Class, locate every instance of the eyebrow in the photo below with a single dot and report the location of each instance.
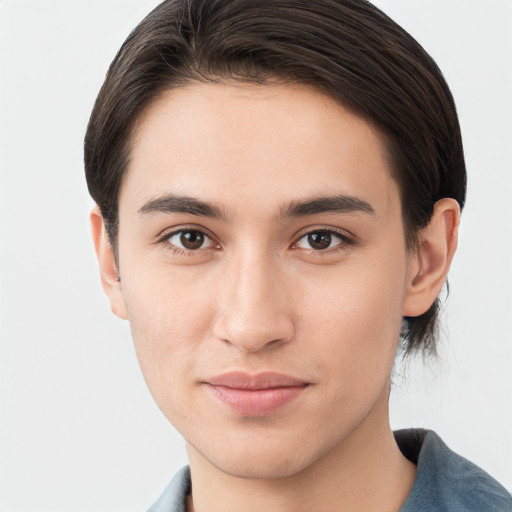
(326, 204)
(171, 203)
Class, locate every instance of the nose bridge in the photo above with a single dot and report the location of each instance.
(255, 312)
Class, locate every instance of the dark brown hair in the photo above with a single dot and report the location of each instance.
(347, 49)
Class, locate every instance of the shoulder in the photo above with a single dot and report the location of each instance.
(174, 497)
(447, 481)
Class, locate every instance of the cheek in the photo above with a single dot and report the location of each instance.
(353, 320)
(169, 317)
(165, 304)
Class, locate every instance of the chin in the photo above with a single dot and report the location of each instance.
(259, 460)
(266, 468)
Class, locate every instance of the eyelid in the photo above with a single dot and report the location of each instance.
(347, 240)
(167, 233)
(342, 233)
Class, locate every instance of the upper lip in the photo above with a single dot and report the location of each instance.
(248, 381)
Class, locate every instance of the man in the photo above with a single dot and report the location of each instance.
(279, 187)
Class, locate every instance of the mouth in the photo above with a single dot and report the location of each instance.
(255, 394)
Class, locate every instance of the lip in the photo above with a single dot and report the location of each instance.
(255, 394)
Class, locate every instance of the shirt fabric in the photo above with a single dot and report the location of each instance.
(444, 481)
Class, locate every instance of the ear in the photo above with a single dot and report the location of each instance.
(108, 268)
(430, 262)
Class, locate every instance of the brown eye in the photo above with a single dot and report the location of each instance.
(321, 240)
(190, 240)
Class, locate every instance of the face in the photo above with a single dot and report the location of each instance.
(263, 271)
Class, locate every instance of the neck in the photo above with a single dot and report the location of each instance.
(366, 471)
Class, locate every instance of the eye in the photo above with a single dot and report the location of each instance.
(321, 240)
(190, 240)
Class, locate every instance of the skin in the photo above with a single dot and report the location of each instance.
(256, 295)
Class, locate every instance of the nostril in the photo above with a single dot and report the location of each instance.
(268, 336)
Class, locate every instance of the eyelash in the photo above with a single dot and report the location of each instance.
(165, 237)
(346, 241)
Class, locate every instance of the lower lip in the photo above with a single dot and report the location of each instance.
(258, 402)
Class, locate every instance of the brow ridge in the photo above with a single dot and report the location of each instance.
(171, 203)
(326, 204)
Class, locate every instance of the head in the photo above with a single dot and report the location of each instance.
(348, 50)
(252, 104)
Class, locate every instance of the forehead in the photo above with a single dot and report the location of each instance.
(246, 145)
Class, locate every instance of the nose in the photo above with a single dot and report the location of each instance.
(254, 313)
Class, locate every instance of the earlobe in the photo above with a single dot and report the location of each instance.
(107, 263)
(431, 261)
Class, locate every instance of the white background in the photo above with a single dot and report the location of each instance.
(79, 430)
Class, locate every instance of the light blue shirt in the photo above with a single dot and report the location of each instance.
(445, 481)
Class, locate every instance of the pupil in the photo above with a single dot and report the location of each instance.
(321, 240)
(192, 239)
